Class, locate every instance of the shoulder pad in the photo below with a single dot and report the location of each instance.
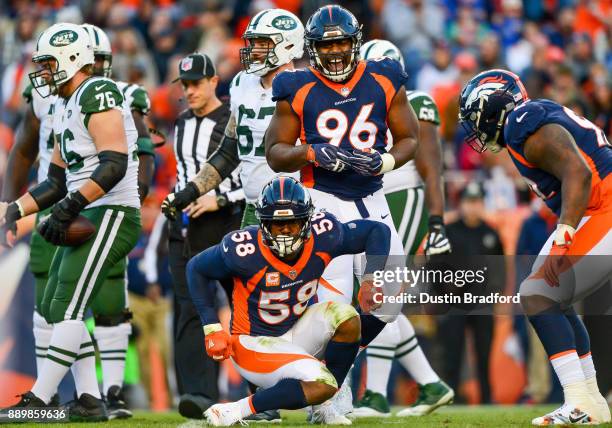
(100, 95)
(389, 68)
(326, 228)
(236, 80)
(140, 100)
(523, 121)
(27, 93)
(286, 83)
(238, 246)
(424, 106)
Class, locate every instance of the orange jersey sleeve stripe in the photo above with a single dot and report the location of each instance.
(386, 86)
(324, 256)
(262, 362)
(300, 98)
(516, 155)
(240, 297)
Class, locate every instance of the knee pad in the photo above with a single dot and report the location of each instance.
(113, 320)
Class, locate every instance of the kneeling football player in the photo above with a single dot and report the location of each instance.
(279, 336)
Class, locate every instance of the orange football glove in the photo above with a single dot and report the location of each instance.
(367, 292)
(557, 262)
(217, 342)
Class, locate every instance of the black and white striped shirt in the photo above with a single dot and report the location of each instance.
(195, 139)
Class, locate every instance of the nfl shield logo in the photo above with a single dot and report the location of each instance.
(344, 91)
(292, 274)
(186, 64)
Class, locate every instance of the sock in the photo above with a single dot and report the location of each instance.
(339, 357)
(581, 335)
(63, 349)
(379, 357)
(370, 328)
(588, 368)
(286, 394)
(84, 368)
(42, 336)
(555, 333)
(112, 345)
(411, 356)
(567, 367)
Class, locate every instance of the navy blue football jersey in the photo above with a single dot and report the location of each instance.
(591, 141)
(270, 295)
(351, 115)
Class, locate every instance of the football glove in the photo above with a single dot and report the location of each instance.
(364, 163)
(557, 262)
(366, 296)
(437, 242)
(9, 214)
(217, 342)
(175, 202)
(54, 227)
(326, 156)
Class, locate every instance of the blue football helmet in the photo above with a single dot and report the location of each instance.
(484, 105)
(284, 199)
(328, 23)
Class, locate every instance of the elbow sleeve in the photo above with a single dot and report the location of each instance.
(110, 171)
(225, 158)
(52, 189)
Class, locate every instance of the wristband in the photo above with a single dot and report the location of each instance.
(436, 220)
(212, 328)
(388, 163)
(564, 235)
(13, 212)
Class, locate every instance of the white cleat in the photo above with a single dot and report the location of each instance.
(603, 408)
(224, 415)
(343, 400)
(564, 415)
(326, 414)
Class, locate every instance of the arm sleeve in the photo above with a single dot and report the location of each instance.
(373, 237)
(522, 123)
(202, 271)
(225, 158)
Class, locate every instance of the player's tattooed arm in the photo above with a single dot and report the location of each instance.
(284, 130)
(404, 128)
(428, 160)
(21, 158)
(553, 149)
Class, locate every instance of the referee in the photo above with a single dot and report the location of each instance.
(197, 133)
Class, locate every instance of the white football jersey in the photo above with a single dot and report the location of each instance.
(407, 176)
(135, 96)
(43, 111)
(252, 106)
(70, 120)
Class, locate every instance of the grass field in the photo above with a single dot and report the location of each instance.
(453, 416)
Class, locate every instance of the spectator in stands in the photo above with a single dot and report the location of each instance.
(439, 71)
(490, 55)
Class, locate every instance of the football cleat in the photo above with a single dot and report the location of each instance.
(326, 414)
(224, 415)
(564, 415)
(193, 406)
(343, 400)
(117, 409)
(267, 416)
(431, 396)
(373, 404)
(28, 400)
(86, 409)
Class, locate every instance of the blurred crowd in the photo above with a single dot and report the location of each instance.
(561, 49)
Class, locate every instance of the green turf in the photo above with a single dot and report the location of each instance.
(453, 416)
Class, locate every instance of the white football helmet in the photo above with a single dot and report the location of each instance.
(67, 44)
(378, 48)
(285, 31)
(101, 47)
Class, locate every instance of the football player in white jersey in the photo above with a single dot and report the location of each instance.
(410, 204)
(93, 173)
(273, 39)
